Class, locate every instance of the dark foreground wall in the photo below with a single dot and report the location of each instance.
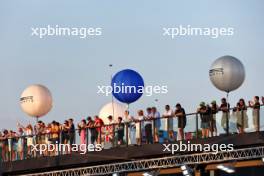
(120, 154)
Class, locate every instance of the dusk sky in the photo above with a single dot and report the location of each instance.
(132, 37)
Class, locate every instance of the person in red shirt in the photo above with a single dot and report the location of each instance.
(98, 123)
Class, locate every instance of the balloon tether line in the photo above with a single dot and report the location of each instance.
(228, 109)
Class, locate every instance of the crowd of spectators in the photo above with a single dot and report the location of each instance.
(144, 127)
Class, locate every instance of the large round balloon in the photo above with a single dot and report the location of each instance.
(128, 86)
(36, 100)
(227, 73)
(107, 110)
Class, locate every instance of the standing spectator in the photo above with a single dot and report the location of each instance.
(214, 110)
(139, 126)
(29, 133)
(205, 119)
(168, 115)
(129, 121)
(99, 123)
(157, 123)
(93, 131)
(109, 130)
(242, 119)
(48, 138)
(71, 129)
(64, 132)
(5, 145)
(255, 105)
(180, 114)
(120, 131)
(1, 146)
(82, 131)
(20, 143)
(224, 107)
(148, 126)
(233, 120)
(12, 145)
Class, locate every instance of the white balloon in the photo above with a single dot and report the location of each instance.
(107, 110)
(227, 73)
(36, 100)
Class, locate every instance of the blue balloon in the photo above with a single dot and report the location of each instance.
(127, 86)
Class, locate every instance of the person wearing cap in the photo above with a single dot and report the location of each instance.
(180, 114)
(214, 110)
(205, 119)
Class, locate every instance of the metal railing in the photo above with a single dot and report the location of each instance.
(121, 134)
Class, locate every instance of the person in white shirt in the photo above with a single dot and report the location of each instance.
(109, 130)
(148, 126)
(129, 120)
(168, 114)
(156, 124)
(139, 125)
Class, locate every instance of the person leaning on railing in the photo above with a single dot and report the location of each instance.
(242, 118)
(82, 131)
(20, 143)
(157, 123)
(98, 124)
(29, 138)
(139, 125)
(93, 131)
(4, 139)
(224, 107)
(120, 127)
(214, 111)
(148, 126)
(255, 105)
(180, 114)
(205, 119)
(168, 115)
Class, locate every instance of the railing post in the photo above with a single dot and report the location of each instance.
(258, 120)
(126, 125)
(1, 160)
(196, 125)
(154, 130)
(100, 135)
(242, 114)
(140, 133)
(227, 121)
(87, 136)
(113, 137)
